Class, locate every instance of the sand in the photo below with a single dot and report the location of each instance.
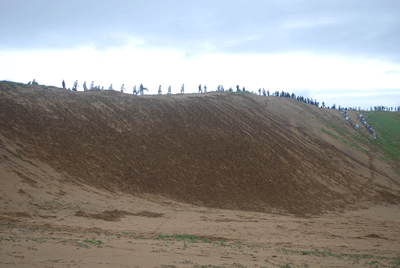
(104, 179)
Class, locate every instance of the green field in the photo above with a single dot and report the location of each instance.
(387, 129)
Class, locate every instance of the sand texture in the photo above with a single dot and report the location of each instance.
(105, 179)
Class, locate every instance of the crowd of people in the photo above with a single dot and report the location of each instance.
(220, 88)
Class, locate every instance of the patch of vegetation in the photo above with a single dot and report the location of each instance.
(94, 242)
(355, 258)
(348, 143)
(244, 93)
(7, 85)
(387, 128)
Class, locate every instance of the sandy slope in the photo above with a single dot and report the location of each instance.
(102, 165)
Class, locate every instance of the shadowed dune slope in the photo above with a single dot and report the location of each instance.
(222, 150)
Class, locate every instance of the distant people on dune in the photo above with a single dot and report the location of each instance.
(220, 88)
(76, 85)
(34, 82)
(141, 89)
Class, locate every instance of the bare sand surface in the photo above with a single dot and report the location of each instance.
(99, 179)
(87, 227)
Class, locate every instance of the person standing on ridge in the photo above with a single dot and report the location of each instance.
(63, 84)
(200, 89)
(122, 88)
(111, 87)
(84, 86)
(76, 85)
(183, 89)
(92, 85)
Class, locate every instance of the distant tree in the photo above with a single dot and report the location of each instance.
(334, 107)
(323, 105)
(293, 96)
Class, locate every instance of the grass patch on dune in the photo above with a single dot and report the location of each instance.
(244, 92)
(387, 128)
(341, 139)
(7, 85)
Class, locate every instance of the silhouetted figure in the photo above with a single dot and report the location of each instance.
(122, 88)
(63, 84)
(169, 90)
(268, 92)
(237, 88)
(159, 90)
(205, 89)
(110, 87)
(259, 91)
(76, 85)
(84, 86)
(92, 85)
(200, 91)
(141, 89)
(183, 89)
(134, 91)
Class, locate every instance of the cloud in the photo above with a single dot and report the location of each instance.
(196, 27)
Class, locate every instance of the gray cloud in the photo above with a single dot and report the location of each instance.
(335, 27)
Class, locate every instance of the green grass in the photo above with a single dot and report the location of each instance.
(387, 128)
(244, 93)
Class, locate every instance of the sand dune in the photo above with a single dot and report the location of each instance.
(216, 166)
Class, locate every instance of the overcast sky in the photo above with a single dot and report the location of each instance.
(343, 52)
